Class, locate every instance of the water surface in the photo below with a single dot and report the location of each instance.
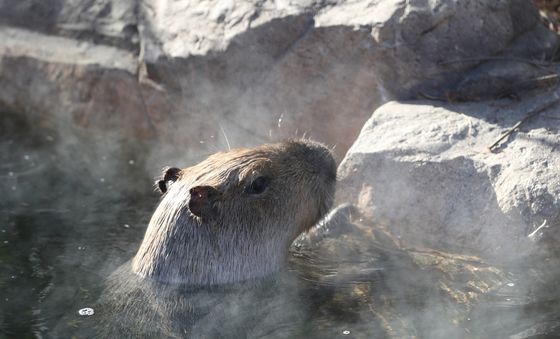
(73, 210)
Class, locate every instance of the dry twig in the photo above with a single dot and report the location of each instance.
(530, 115)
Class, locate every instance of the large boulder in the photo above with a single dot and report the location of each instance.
(425, 169)
(185, 73)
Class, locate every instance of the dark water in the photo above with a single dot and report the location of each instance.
(73, 210)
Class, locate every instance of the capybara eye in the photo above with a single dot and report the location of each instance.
(258, 185)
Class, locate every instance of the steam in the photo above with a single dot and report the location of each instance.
(86, 196)
(96, 182)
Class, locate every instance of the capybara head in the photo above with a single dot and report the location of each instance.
(233, 216)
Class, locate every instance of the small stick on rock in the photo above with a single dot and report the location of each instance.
(531, 114)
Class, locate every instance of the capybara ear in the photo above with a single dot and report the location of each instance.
(169, 174)
(201, 200)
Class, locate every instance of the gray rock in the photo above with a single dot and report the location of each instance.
(186, 73)
(421, 46)
(112, 22)
(72, 82)
(425, 169)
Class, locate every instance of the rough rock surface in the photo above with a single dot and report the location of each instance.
(181, 71)
(110, 22)
(426, 170)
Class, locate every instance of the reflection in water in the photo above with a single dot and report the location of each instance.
(73, 211)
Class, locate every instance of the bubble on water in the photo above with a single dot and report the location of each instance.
(13, 277)
(11, 174)
(280, 120)
(26, 157)
(102, 179)
(201, 141)
(13, 188)
(511, 284)
(81, 248)
(49, 138)
(87, 311)
(131, 162)
(126, 226)
(346, 332)
(5, 241)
